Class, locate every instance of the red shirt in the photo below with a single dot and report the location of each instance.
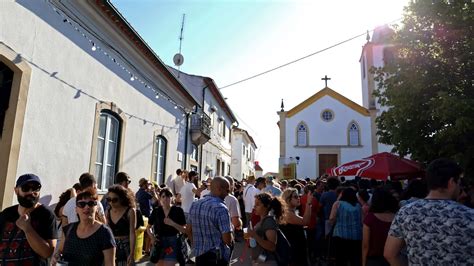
(378, 234)
(314, 210)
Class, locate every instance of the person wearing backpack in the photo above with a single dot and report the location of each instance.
(271, 211)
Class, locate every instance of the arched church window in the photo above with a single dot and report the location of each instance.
(354, 135)
(302, 135)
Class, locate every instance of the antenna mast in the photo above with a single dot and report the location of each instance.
(181, 34)
(178, 58)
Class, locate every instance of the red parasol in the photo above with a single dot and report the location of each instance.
(380, 166)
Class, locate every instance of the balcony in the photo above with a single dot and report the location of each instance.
(200, 128)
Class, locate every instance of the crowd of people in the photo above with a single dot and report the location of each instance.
(326, 221)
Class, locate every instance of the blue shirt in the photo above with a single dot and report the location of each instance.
(327, 200)
(272, 190)
(209, 218)
(144, 201)
(348, 221)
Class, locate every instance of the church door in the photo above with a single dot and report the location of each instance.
(326, 161)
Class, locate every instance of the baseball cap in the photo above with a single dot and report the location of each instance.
(23, 179)
(269, 178)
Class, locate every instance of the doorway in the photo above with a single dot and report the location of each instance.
(14, 82)
(326, 161)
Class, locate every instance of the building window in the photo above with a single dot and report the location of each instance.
(159, 157)
(223, 129)
(388, 55)
(218, 167)
(6, 79)
(302, 135)
(327, 115)
(363, 66)
(354, 135)
(194, 153)
(107, 150)
(243, 149)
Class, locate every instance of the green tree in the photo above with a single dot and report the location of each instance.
(428, 85)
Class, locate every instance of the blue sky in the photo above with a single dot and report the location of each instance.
(233, 40)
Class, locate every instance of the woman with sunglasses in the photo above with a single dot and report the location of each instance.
(87, 242)
(121, 218)
(294, 226)
(164, 226)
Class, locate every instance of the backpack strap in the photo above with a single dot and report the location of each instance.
(247, 190)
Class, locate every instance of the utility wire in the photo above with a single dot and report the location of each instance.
(301, 58)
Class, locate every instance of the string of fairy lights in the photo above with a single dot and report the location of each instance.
(102, 47)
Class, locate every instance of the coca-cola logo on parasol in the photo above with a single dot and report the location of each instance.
(360, 165)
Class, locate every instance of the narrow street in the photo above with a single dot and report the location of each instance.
(241, 256)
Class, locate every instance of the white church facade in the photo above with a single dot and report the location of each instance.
(321, 132)
(328, 129)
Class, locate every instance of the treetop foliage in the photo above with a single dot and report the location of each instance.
(428, 85)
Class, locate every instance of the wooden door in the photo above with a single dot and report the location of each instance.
(326, 161)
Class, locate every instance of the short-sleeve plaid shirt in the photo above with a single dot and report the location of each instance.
(209, 218)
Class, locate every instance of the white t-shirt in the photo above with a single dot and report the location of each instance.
(233, 205)
(178, 183)
(249, 197)
(69, 210)
(187, 196)
(205, 192)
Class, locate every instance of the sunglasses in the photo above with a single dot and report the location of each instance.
(82, 204)
(295, 196)
(34, 187)
(113, 200)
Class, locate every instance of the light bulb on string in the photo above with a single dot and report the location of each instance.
(132, 78)
(93, 47)
(157, 96)
(175, 107)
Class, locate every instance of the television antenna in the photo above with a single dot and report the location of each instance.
(178, 58)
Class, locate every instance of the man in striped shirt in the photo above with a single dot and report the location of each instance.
(210, 226)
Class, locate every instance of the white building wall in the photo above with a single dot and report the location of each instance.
(242, 166)
(218, 147)
(58, 127)
(237, 150)
(377, 60)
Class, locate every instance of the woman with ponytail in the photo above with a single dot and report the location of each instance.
(271, 211)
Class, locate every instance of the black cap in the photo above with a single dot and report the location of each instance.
(23, 179)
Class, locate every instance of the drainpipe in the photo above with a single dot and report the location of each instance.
(186, 140)
(200, 146)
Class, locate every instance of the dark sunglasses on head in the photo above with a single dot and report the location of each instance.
(35, 187)
(82, 204)
(113, 200)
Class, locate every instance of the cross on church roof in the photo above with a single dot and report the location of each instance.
(326, 80)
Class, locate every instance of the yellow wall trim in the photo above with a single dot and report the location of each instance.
(328, 92)
(10, 141)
